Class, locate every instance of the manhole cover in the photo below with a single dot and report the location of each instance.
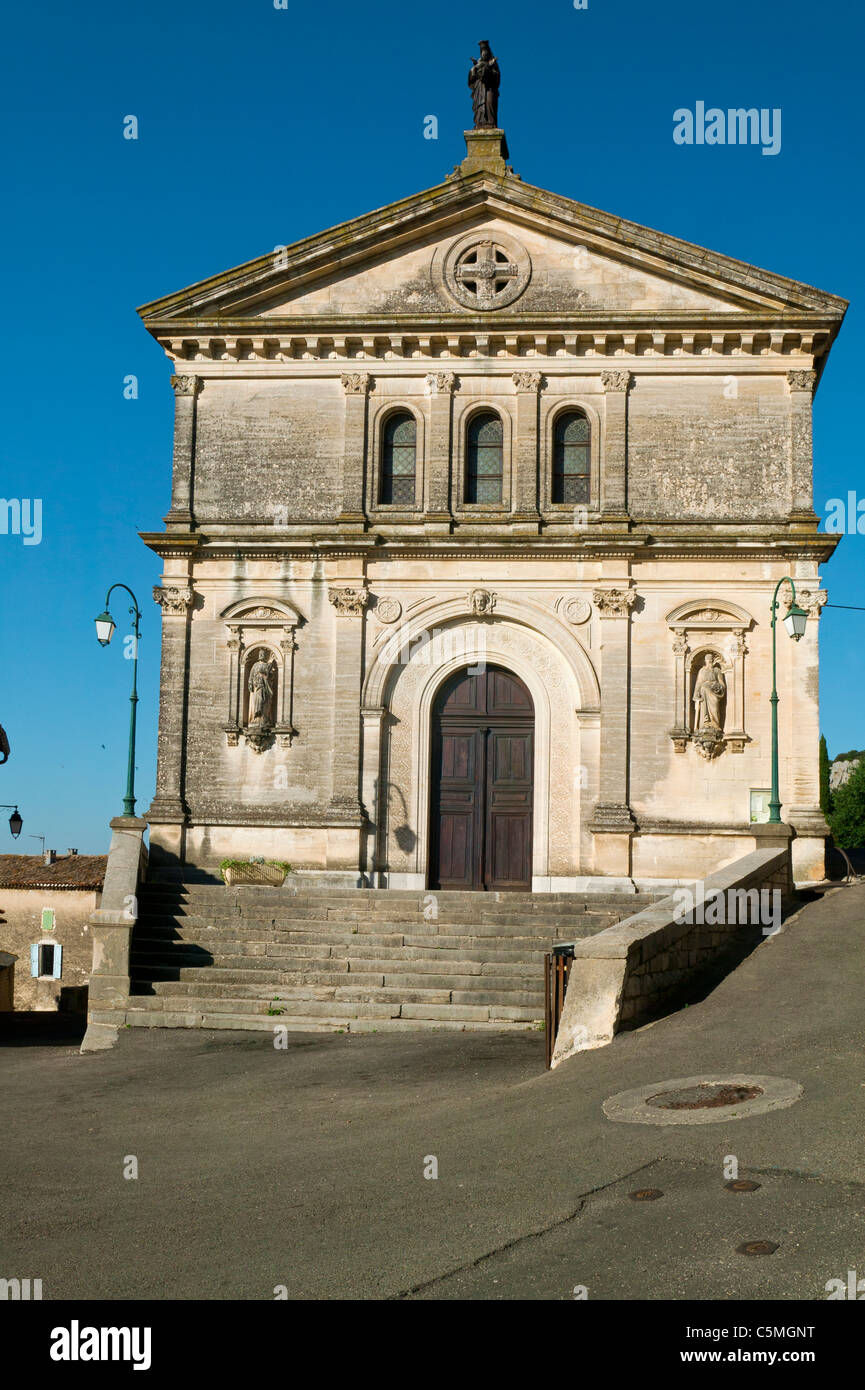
(646, 1194)
(701, 1100)
(757, 1247)
(705, 1096)
(742, 1185)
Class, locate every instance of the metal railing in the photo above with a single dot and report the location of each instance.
(557, 968)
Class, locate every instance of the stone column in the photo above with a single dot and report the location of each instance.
(614, 466)
(804, 812)
(801, 387)
(186, 389)
(168, 811)
(437, 503)
(613, 821)
(525, 489)
(352, 514)
(350, 604)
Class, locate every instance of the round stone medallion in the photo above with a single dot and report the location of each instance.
(577, 610)
(483, 271)
(387, 610)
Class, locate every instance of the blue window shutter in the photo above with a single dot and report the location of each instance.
(34, 961)
(58, 961)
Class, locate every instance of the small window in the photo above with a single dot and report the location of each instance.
(399, 461)
(484, 459)
(571, 448)
(46, 960)
(48, 920)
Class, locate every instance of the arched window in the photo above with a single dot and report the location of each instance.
(571, 447)
(484, 458)
(398, 460)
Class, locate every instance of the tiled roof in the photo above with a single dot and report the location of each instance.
(68, 871)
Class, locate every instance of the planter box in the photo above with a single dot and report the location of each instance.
(271, 875)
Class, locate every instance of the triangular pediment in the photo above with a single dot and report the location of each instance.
(534, 255)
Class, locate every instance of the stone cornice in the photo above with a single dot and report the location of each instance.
(816, 546)
(630, 342)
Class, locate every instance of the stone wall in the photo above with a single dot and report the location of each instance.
(626, 974)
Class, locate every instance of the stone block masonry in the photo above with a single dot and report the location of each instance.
(626, 974)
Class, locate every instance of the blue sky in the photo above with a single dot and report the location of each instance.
(258, 126)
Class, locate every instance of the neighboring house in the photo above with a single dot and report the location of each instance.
(46, 902)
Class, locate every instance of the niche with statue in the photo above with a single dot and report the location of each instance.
(261, 648)
(709, 645)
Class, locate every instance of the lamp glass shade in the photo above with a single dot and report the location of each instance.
(104, 628)
(796, 621)
(15, 824)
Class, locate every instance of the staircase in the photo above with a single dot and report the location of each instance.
(351, 960)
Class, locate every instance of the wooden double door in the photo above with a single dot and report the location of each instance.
(482, 783)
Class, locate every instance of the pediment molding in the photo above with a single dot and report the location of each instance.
(457, 207)
(261, 612)
(709, 615)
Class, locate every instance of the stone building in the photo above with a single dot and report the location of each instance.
(478, 505)
(45, 908)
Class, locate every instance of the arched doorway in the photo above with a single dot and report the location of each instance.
(482, 784)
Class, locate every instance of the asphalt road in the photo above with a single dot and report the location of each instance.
(304, 1168)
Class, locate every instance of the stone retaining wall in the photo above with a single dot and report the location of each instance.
(625, 974)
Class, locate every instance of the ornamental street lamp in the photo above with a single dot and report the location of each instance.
(795, 623)
(15, 821)
(105, 627)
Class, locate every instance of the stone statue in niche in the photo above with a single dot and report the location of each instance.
(261, 689)
(710, 691)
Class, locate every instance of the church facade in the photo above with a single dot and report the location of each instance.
(479, 503)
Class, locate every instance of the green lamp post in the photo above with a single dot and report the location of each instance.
(794, 622)
(104, 632)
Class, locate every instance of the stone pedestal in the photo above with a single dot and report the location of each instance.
(486, 152)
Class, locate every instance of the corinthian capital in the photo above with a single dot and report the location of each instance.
(440, 383)
(528, 381)
(173, 602)
(614, 603)
(186, 385)
(355, 383)
(615, 381)
(349, 602)
(801, 381)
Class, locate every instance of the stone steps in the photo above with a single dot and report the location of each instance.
(331, 960)
(355, 990)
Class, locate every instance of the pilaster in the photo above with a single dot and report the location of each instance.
(441, 386)
(612, 815)
(614, 470)
(526, 517)
(168, 806)
(186, 391)
(350, 604)
(801, 388)
(356, 387)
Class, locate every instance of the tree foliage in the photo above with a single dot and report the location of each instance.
(847, 816)
(825, 792)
